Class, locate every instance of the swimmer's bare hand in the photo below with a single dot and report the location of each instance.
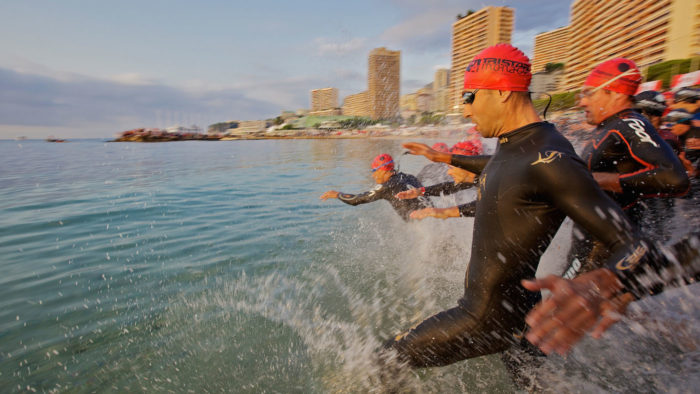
(329, 194)
(609, 181)
(575, 307)
(416, 148)
(409, 194)
(613, 312)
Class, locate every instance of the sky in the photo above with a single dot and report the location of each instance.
(91, 69)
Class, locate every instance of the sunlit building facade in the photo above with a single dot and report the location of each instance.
(441, 90)
(356, 105)
(324, 99)
(550, 47)
(384, 80)
(472, 34)
(645, 31)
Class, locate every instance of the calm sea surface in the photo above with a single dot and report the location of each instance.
(213, 266)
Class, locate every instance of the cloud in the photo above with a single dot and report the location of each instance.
(328, 47)
(85, 104)
(425, 32)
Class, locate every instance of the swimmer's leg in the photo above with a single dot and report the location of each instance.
(448, 337)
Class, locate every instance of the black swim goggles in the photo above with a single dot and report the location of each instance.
(468, 97)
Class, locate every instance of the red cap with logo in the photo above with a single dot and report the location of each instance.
(466, 148)
(383, 162)
(499, 67)
(441, 147)
(618, 75)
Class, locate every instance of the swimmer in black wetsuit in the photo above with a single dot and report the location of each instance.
(463, 180)
(389, 182)
(626, 155)
(526, 189)
(683, 125)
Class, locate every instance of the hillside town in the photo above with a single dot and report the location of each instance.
(560, 62)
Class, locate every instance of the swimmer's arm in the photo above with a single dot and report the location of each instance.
(416, 148)
(468, 209)
(362, 198)
(571, 187)
(473, 164)
(447, 188)
(439, 213)
(661, 171)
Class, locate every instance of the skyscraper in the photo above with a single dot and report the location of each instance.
(470, 35)
(645, 31)
(550, 47)
(383, 80)
(324, 99)
(441, 90)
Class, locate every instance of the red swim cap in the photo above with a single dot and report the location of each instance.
(441, 147)
(465, 148)
(383, 162)
(499, 67)
(618, 75)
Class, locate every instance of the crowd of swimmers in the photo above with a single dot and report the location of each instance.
(643, 148)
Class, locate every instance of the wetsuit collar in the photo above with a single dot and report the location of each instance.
(509, 136)
(614, 117)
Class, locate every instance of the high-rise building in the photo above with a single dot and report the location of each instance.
(645, 31)
(550, 47)
(470, 35)
(356, 105)
(324, 99)
(383, 80)
(441, 90)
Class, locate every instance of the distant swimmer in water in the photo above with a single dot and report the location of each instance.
(462, 180)
(526, 189)
(389, 182)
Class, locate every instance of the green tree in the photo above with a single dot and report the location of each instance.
(665, 71)
(549, 67)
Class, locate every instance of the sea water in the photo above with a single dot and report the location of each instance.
(213, 266)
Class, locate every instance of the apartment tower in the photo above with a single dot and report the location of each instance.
(441, 90)
(324, 99)
(356, 105)
(550, 47)
(383, 80)
(645, 31)
(470, 35)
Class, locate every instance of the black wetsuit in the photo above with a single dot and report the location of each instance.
(627, 144)
(387, 191)
(693, 155)
(446, 188)
(534, 180)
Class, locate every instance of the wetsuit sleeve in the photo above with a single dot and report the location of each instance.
(473, 164)
(661, 172)
(375, 194)
(573, 190)
(648, 270)
(468, 209)
(447, 188)
(571, 187)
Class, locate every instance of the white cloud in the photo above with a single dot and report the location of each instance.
(430, 26)
(134, 79)
(327, 47)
